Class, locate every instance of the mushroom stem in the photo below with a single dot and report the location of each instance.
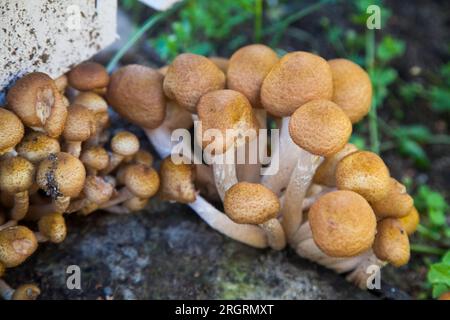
(118, 210)
(114, 161)
(275, 234)
(6, 292)
(160, 140)
(74, 148)
(123, 195)
(308, 201)
(40, 237)
(21, 203)
(58, 205)
(224, 171)
(77, 205)
(10, 223)
(251, 235)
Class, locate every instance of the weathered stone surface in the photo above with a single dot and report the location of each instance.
(167, 252)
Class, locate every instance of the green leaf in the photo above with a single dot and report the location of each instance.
(417, 133)
(440, 99)
(412, 149)
(437, 217)
(446, 258)
(410, 91)
(439, 289)
(390, 48)
(439, 273)
(358, 141)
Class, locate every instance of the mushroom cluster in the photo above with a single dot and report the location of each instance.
(332, 203)
(58, 156)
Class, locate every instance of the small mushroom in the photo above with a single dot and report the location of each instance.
(177, 181)
(252, 203)
(16, 177)
(11, 131)
(23, 292)
(363, 172)
(143, 157)
(342, 223)
(123, 144)
(36, 146)
(89, 76)
(17, 243)
(396, 204)
(80, 126)
(391, 242)
(95, 159)
(52, 228)
(61, 83)
(191, 76)
(352, 89)
(35, 99)
(410, 221)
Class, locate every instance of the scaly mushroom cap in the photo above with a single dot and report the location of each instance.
(16, 245)
(143, 157)
(16, 175)
(141, 180)
(178, 116)
(396, 204)
(352, 89)
(226, 110)
(80, 123)
(97, 190)
(320, 127)
(96, 104)
(61, 83)
(391, 242)
(247, 69)
(2, 270)
(88, 76)
(325, 173)
(135, 92)
(11, 130)
(297, 78)
(177, 181)
(410, 221)
(189, 77)
(221, 63)
(36, 146)
(38, 103)
(135, 204)
(363, 172)
(343, 224)
(163, 70)
(125, 143)
(96, 158)
(53, 226)
(61, 174)
(251, 203)
(26, 292)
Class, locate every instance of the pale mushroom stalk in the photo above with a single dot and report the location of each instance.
(6, 225)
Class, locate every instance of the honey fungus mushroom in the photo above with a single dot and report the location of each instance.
(17, 243)
(36, 146)
(95, 159)
(123, 144)
(396, 204)
(52, 228)
(80, 126)
(98, 106)
(11, 131)
(410, 221)
(89, 76)
(35, 99)
(177, 181)
(189, 77)
(391, 242)
(342, 223)
(23, 292)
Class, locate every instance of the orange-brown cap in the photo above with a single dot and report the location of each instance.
(135, 204)
(38, 103)
(141, 180)
(396, 204)
(343, 224)
(391, 242)
(247, 69)
(177, 181)
(61, 83)
(11, 130)
(61, 174)
(80, 124)
(251, 203)
(320, 127)
(325, 173)
(36, 146)
(2, 270)
(16, 175)
(445, 296)
(16, 245)
(297, 78)
(53, 226)
(163, 70)
(92, 101)
(88, 76)
(189, 77)
(410, 221)
(97, 190)
(135, 92)
(26, 292)
(226, 110)
(95, 158)
(143, 157)
(125, 143)
(221, 63)
(363, 172)
(352, 89)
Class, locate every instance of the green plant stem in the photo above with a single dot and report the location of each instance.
(373, 117)
(421, 248)
(149, 23)
(424, 231)
(257, 33)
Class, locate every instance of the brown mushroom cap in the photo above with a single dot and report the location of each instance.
(177, 181)
(16, 175)
(61, 174)
(96, 158)
(135, 92)
(96, 104)
(251, 203)
(189, 77)
(320, 127)
(391, 242)
(61, 83)
(80, 124)
(247, 69)
(396, 204)
(143, 157)
(53, 226)
(16, 245)
(325, 173)
(343, 224)
(163, 70)
(363, 172)
(2, 270)
(88, 76)
(36, 146)
(135, 204)
(297, 78)
(410, 221)
(125, 143)
(226, 110)
(221, 63)
(141, 180)
(38, 103)
(352, 89)
(97, 190)
(11, 130)
(26, 292)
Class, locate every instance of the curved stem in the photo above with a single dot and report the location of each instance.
(114, 161)
(123, 195)
(21, 204)
(275, 234)
(10, 223)
(74, 148)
